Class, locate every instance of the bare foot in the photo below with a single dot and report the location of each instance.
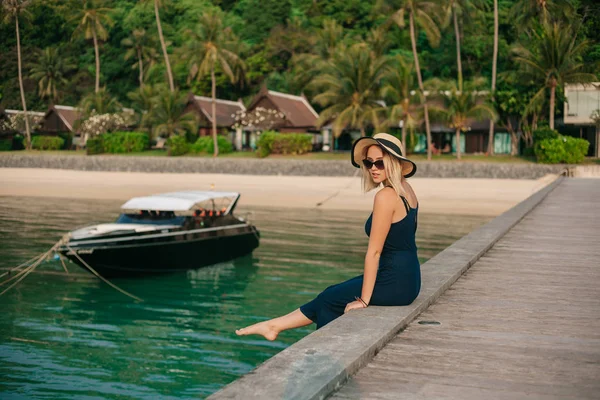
(265, 328)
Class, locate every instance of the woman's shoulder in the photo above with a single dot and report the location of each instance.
(387, 195)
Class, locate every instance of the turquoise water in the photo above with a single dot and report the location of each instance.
(74, 337)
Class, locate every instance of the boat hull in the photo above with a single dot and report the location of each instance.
(163, 254)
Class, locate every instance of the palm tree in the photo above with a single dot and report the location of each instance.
(13, 10)
(289, 40)
(523, 12)
(50, 70)
(494, 73)
(92, 22)
(378, 41)
(458, 9)
(552, 58)
(460, 109)
(169, 116)
(398, 93)
(325, 42)
(210, 46)
(423, 13)
(140, 45)
(350, 89)
(328, 39)
(100, 102)
(142, 101)
(163, 44)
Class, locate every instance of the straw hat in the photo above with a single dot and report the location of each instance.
(391, 144)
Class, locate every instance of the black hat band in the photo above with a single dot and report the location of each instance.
(391, 145)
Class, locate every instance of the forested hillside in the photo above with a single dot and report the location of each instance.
(278, 41)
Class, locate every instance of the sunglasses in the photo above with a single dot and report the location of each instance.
(369, 164)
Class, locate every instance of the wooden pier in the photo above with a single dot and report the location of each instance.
(522, 322)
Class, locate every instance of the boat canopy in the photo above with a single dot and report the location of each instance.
(179, 201)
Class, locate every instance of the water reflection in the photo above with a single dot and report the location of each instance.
(78, 338)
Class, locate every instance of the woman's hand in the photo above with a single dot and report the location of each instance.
(354, 305)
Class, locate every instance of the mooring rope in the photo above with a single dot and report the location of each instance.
(339, 191)
(93, 271)
(30, 265)
(26, 263)
(26, 271)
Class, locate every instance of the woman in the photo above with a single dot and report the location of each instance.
(392, 274)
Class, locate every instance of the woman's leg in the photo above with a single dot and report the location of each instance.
(271, 328)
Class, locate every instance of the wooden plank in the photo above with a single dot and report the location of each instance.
(523, 322)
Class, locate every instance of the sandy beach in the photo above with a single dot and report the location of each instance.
(486, 197)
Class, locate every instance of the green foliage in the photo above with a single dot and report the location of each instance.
(292, 143)
(561, 149)
(49, 71)
(349, 87)
(5, 144)
(264, 144)
(178, 146)
(544, 133)
(271, 142)
(47, 142)
(263, 15)
(168, 115)
(275, 34)
(101, 102)
(18, 142)
(412, 139)
(576, 149)
(125, 142)
(95, 145)
(68, 139)
(205, 144)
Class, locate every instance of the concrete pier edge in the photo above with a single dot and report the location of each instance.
(321, 362)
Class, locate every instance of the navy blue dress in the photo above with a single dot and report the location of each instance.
(398, 279)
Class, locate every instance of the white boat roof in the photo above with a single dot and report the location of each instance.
(175, 201)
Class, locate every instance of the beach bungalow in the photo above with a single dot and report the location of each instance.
(474, 141)
(60, 119)
(581, 102)
(298, 116)
(226, 110)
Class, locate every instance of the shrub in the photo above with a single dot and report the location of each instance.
(271, 142)
(68, 139)
(47, 142)
(544, 133)
(562, 149)
(6, 144)
(18, 142)
(264, 144)
(576, 150)
(539, 136)
(97, 124)
(201, 145)
(178, 146)
(125, 142)
(95, 145)
(205, 144)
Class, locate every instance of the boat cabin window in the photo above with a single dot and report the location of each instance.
(151, 217)
(203, 213)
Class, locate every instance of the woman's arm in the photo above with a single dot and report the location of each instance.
(383, 210)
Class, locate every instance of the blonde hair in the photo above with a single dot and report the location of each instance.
(393, 172)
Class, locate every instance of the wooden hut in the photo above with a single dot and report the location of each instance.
(299, 116)
(60, 119)
(225, 109)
